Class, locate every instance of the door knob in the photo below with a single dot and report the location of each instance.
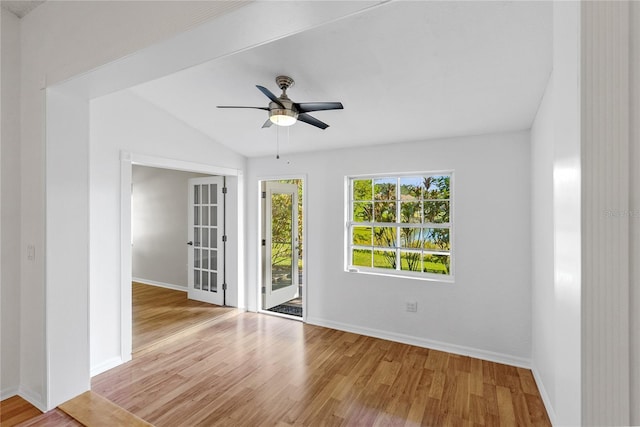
(190, 243)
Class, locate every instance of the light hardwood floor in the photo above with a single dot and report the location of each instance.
(160, 313)
(15, 411)
(253, 369)
(246, 369)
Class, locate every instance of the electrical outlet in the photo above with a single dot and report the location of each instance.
(412, 306)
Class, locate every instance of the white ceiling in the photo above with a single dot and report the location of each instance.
(405, 71)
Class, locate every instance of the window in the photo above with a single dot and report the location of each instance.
(401, 225)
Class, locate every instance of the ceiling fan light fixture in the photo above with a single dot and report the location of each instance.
(283, 117)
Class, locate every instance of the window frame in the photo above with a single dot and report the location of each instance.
(397, 225)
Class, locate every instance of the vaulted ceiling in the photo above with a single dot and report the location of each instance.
(405, 71)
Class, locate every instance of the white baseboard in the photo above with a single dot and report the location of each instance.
(545, 396)
(8, 392)
(421, 342)
(34, 398)
(159, 284)
(105, 366)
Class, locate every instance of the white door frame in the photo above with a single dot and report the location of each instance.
(127, 160)
(305, 243)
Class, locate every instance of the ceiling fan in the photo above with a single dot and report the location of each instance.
(284, 112)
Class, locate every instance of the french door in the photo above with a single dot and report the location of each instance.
(206, 255)
(280, 244)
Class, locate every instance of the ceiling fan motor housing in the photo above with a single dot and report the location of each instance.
(284, 82)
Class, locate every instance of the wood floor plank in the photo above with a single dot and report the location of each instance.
(505, 406)
(53, 418)
(91, 409)
(15, 410)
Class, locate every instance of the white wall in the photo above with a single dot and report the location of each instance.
(159, 221)
(542, 243)
(556, 299)
(486, 312)
(124, 122)
(57, 30)
(60, 40)
(11, 250)
(634, 206)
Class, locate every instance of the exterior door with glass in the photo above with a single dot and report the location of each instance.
(280, 244)
(206, 256)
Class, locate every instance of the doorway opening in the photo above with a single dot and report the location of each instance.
(178, 256)
(232, 226)
(283, 284)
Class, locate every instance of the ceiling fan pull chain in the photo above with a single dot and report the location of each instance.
(277, 142)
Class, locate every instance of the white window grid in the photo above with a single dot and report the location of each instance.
(398, 226)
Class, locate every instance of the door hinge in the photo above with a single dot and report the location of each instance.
(224, 238)
(224, 286)
(264, 242)
(264, 194)
(224, 190)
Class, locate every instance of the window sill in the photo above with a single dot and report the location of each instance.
(395, 274)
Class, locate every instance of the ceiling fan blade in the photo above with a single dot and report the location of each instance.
(312, 121)
(270, 95)
(307, 107)
(267, 124)
(235, 106)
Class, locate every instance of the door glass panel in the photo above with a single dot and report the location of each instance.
(205, 280)
(214, 282)
(196, 194)
(205, 259)
(213, 260)
(281, 240)
(214, 215)
(205, 238)
(196, 215)
(214, 194)
(196, 236)
(205, 215)
(196, 279)
(196, 258)
(214, 238)
(205, 194)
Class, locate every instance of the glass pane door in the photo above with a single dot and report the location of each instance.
(205, 255)
(281, 254)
